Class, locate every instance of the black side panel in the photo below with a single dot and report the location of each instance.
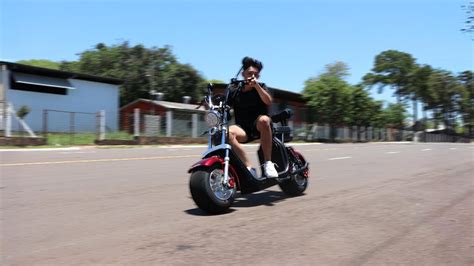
(279, 156)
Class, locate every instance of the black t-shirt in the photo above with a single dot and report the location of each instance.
(248, 106)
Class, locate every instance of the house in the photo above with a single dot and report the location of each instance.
(59, 101)
(163, 118)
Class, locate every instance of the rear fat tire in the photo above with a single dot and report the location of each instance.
(297, 184)
(202, 194)
(291, 186)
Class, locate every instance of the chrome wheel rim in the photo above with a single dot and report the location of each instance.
(300, 180)
(220, 190)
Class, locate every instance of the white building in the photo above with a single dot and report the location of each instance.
(58, 101)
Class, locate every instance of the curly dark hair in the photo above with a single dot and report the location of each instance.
(249, 61)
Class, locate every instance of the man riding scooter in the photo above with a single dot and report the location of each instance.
(224, 168)
(251, 106)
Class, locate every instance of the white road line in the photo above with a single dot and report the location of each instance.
(426, 150)
(99, 160)
(75, 152)
(453, 148)
(339, 158)
(392, 152)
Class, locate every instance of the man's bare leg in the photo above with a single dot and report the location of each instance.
(263, 126)
(237, 135)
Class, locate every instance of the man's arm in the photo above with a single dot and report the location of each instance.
(262, 92)
(264, 95)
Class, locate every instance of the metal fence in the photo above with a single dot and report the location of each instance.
(58, 121)
(172, 123)
(180, 123)
(58, 127)
(67, 127)
(3, 117)
(11, 125)
(440, 137)
(318, 132)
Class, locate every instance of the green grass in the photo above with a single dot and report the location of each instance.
(65, 139)
(119, 135)
(31, 147)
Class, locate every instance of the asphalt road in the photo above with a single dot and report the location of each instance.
(367, 204)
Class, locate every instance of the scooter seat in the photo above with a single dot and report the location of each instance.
(282, 116)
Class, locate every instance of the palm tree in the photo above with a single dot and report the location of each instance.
(392, 68)
(420, 90)
(395, 69)
(446, 91)
(466, 79)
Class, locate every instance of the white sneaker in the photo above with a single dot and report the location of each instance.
(269, 170)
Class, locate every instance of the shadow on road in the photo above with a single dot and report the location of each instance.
(199, 212)
(264, 198)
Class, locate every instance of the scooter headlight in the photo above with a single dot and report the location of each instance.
(213, 118)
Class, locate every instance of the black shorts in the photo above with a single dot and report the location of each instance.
(250, 130)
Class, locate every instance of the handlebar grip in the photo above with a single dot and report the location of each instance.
(235, 81)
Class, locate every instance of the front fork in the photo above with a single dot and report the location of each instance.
(226, 170)
(226, 158)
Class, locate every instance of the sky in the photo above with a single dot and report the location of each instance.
(294, 39)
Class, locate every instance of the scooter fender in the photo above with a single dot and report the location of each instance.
(210, 161)
(306, 164)
(206, 162)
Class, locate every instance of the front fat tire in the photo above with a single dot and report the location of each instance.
(202, 194)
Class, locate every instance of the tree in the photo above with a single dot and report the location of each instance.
(395, 115)
(377, 114)
(469, 23)
(391, 68)
(329, 98)
(361, 109)
(215, 81)
(142, 70)
(40, 63)
(22, 113)
(420, 91)
(177, 80)
(395, 69)
(447, 92)
(337, 69)
(360, 106)
(466, 103)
